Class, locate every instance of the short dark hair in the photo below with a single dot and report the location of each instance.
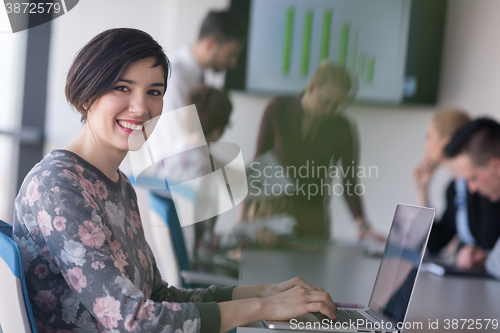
(100, 63)
(223, 26)
(480, 139)
(213, 106)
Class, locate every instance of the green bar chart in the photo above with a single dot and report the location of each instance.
(287, 45)
(370, 68)
(325, 35)
(344, 43)
(361, 64)
(306, 43)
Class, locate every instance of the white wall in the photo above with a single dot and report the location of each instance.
(391, 138)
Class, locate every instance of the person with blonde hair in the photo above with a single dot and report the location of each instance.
(309, 132)
(470, 217)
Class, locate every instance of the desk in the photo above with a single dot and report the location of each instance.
(349, 276)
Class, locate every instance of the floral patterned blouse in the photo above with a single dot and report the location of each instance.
(88, 266)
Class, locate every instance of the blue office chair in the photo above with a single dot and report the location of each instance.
(16, 314)
(164, 209)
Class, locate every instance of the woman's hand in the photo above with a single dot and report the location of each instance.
(269, 290)
(291, 303)
(471, 256)
(422, 176)
(278, 288)
(423, 173)
(280, 301)
(298, 301)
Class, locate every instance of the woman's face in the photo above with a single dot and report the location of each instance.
(435, 143)
(116, 119)
(324, 100)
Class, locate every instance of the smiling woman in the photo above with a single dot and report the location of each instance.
(88, 266)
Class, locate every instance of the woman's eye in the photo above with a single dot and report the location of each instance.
(155, 92)
(121, 88)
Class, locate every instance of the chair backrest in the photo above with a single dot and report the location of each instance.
(15, 308)
(164, 208)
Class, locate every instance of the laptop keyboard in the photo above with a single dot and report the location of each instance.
(345, 316)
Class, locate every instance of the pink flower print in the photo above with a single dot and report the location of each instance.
(144, 260)
(132, 203)
(146, 310)
(79, 169)
(115, 246)
(98, 264)
(100, 190)
(91, 235)
(130, 323)
(88, 199)
(44, 222)
(145, 290)
(47, 253)
(107, 310)
(87, 186)
(45, 300)
(34, 231)
(120, 260)
(172, 306)
(32, 191)
(57, 210)
(46, 173)
(107, 232)
(52, 318)
(76, 279)
(59, 223)
(41, 270)
(129, 232)
(35, 169)
(68, 174)
(136, 219)
(55, 189)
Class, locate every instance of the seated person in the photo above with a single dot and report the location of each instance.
(469, 216)
(88, 266)
(311, 132)
(214, 109)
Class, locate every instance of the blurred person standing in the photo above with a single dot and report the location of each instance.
(310, 131)
(472, 218)
(218, 47)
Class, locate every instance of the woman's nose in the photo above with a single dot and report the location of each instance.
(138, 104)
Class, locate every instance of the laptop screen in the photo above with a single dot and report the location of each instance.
(402, 258)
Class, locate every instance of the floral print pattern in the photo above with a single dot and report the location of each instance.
(88, 266)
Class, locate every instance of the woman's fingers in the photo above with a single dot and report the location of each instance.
(298, 301)
(298, 281)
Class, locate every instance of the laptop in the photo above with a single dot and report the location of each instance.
(393, 287)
